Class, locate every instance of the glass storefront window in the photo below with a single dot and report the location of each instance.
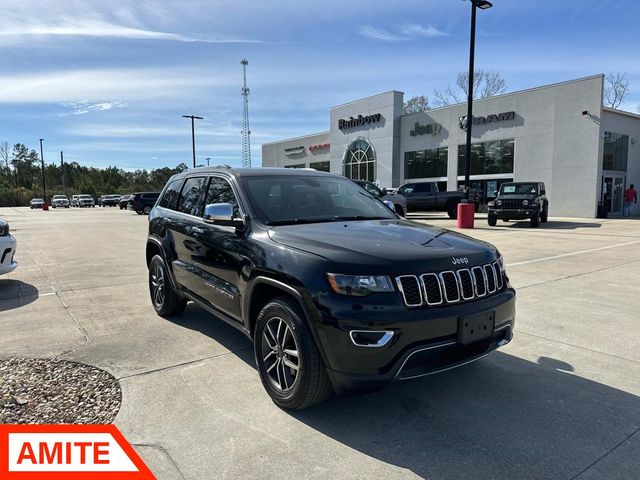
(426, 163)
(488, 158)
(616, 149)
(320, 166)
(359, 161)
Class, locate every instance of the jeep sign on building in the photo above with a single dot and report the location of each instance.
(558, 134)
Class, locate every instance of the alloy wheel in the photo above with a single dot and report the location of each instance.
(280, 354)
(157, 285)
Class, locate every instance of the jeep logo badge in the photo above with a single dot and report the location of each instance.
(459, 260)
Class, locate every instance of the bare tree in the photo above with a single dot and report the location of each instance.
(486, 83)
(416, 104)
(616, 89)
(4, 154)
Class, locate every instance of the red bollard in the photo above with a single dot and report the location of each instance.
(466, 212)
(45, 206)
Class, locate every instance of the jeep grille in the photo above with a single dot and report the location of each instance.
(450, 286)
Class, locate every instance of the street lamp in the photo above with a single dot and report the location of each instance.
(193, 134)
(208, 158)
(466, 208)
(44, 186)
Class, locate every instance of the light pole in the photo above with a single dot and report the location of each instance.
(466, 208)
(193, 134)
(44, 186)
(208, 158)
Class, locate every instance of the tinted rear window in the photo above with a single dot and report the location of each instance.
(171, 194)
(191, 197)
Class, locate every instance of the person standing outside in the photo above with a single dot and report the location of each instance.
(630, 198)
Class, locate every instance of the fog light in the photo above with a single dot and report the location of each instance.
(370, 338)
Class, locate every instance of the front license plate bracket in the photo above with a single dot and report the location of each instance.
(475, 327)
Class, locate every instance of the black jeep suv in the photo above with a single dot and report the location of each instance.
(336, 291)
(143, 202)
(519, 201)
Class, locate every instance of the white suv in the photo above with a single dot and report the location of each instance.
(7, 249)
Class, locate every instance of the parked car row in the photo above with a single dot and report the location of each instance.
(141, 202)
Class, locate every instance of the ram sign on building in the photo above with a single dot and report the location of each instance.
(559, 134)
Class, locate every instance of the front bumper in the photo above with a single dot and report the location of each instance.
(425, 340)
(515, 214)
(7, 254)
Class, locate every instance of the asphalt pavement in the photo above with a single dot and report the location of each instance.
(561, 401)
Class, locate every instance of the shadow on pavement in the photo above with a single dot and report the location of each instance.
(502, 417)
(198, 319)
(554, 225)
(15, 293)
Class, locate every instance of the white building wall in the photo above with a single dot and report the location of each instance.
(275, 154)
(554, 142)
(383, 135)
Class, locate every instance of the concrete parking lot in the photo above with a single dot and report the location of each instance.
(562, 401)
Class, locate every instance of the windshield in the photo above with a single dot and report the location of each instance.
(85, 197)
(289, 199)
(37, 200)
(519, 189)
(59, 197)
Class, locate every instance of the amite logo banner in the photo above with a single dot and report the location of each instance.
(73, 452)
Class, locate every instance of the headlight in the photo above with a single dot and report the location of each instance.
(4, 230)
(498, 202)
(491, 204)
(525, 203)
(359, 285)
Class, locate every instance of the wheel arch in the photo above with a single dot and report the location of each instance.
(261, 290)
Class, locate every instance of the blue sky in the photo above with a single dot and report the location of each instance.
(108, 81)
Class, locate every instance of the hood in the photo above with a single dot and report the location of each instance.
(385, 246)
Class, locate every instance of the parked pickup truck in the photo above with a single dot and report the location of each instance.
(425, 197)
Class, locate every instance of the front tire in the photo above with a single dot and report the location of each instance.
(289, 363)
(492, 220)
(535, 220)
(399, 210)
(165, 300)
(146, 210)
(452, 210)
(544, 217)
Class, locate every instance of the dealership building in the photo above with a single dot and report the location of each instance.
(560, 134)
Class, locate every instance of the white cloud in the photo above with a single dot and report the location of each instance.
(407, 32)
(96, 85)
(91, 27)
(80, 108)
(417, 30)
(379, 34)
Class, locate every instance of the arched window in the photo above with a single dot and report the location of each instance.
(359, 161)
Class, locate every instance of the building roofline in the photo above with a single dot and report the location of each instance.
(366, 98)
(297, 138)
(517, 92)
(621, 112)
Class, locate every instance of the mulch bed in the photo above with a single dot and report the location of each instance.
(36, 390)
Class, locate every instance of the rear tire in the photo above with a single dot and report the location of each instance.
(452, 210)
(492, 220)
(165, 300)
(288, 360)
(146, 210)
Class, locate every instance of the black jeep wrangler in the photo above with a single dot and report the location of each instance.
(519, 201)
(336, 291)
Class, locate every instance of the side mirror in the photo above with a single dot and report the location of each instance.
(495, 193)
(221, 214)
(383, 192)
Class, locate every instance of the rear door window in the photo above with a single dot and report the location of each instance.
(172, 192)
(190, 201)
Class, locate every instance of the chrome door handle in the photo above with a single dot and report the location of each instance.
(197, 231)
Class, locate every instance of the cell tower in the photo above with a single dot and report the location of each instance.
(246, 133)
